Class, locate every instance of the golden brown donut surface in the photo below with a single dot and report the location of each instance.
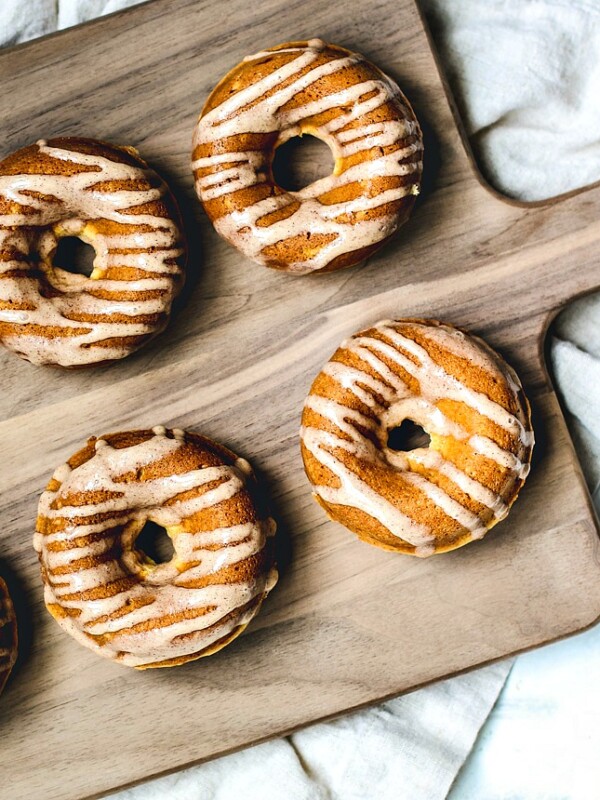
(108, 197)
(331, 93)
(464, 396)
(8, 635)
(115, 600)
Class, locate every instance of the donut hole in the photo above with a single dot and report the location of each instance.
(407, 436)
(154, 543)
(300, 161)
(74, 255)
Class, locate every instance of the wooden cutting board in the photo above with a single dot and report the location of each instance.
(348, 624)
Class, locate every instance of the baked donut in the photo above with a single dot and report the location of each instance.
(113, 598)
(8, 635)
(337, 96)
(108, 197)
(464, 396)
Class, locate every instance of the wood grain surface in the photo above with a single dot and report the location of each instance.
(348, 624)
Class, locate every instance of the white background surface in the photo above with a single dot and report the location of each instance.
(527, 75)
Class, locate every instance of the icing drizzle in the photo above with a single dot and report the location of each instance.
(344, 438)
(366, 150)
(116, 311)
(120, 605)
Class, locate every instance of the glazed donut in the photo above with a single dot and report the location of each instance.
(338, 96)
(464, 396)
(8, 635)
(108, 197)
(113, 598)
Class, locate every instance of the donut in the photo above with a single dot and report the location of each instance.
(430, 499)
(337, 96)
(108, 197)
(8, 635)
(109, 595)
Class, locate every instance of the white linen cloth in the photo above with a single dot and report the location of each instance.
(527, 74)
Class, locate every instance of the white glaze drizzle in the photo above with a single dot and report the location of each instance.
(259, 109)
(79, 199)
(390, 401)
(164, 588)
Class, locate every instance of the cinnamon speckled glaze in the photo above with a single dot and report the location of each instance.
(331, 93)
(8, 635)
(470, 402)
(115, 600)
(109, 198)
